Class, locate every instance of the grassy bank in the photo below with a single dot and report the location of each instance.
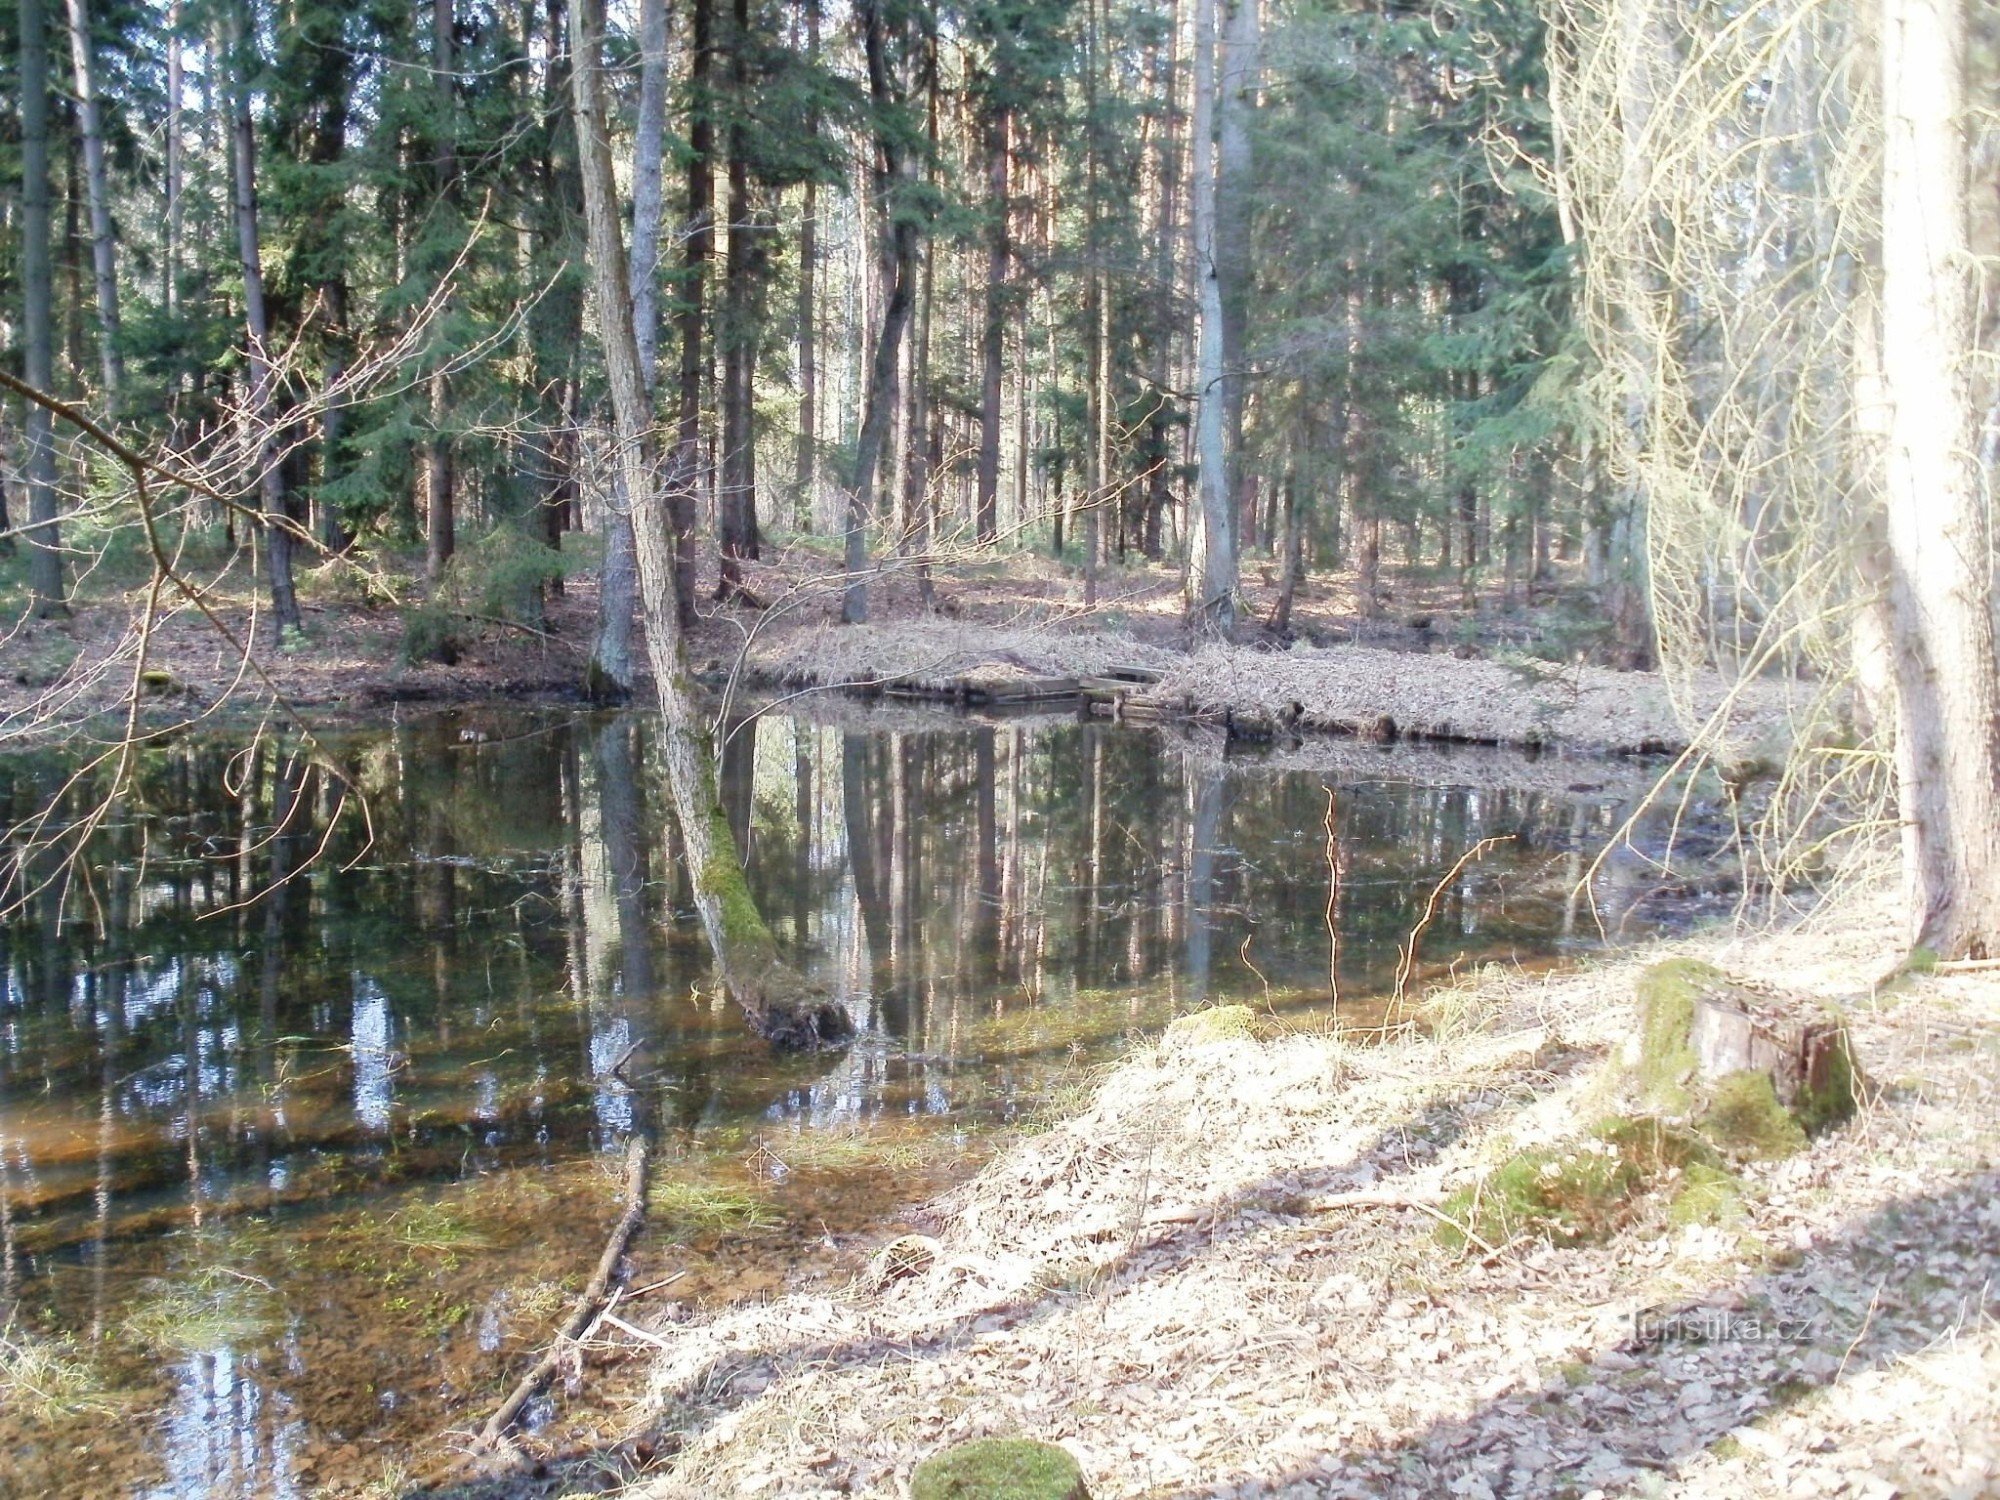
(1229, 1275)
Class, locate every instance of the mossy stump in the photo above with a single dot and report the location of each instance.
(1756, 1071)
(999, 1469)
(1219, 1023)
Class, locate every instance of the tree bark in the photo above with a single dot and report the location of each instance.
(743, 272)
(805, 478)
(993, 331)
(274, 501)
(170, 261)
(1235, 99)
(1167, 156)
(103, 245)
(896, 241)
(1211, 604)
(700, 234)
(1940, 589)
(45, 564)
(779, 1003)
(609, 676)
(441, 517)
(649, 186)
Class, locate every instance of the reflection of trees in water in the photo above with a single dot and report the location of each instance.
(515, 955)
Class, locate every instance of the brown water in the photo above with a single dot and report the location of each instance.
(309, 1122)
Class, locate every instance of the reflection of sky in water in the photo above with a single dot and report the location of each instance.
(609, 1095)
(486, 1096)
(373, 1091)
(225, 1435)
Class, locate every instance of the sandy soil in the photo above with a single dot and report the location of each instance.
(1222, 1279)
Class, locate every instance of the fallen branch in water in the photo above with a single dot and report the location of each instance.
(494, 1434)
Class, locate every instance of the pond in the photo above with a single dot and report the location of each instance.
(311, 1099)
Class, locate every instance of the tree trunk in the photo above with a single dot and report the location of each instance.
(170, 261)
(918, 475)
(1211, 605)
(609, 676)
(1289, 561)
(737, 518)
(1097, 321)
(556, 320)
(649, 186)
(1168, 157)
(993, 331)
(103, 246)
(896, 243)
(805, 463)
(919, 472)
(263, 378)
(805, 477)
(45, 564)
(700, 245)
(1940, 565)
(441, 518)
(777, 1000)
(1235, 99)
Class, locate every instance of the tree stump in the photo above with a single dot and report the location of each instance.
(999, 1469)
(1754, 1069)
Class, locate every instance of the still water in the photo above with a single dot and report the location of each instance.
(311, 1097)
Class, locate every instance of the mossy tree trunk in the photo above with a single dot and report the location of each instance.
(779, 1002)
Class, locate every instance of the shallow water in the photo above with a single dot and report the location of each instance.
(309, 1116)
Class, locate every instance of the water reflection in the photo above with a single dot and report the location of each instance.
(251, 1014)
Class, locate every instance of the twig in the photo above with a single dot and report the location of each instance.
(1333, 863)
(1395, 1200)
(1407, 964)
(493, 1434)
(638, 1333)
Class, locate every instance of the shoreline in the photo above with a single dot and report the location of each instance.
(1012, 649)
(1222, 1277)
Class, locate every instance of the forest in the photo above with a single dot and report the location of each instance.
(1103, 717)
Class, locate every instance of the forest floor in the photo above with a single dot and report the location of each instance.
(1225, 1276)
(1424, 666)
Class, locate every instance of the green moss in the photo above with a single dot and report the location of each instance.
(1832, 1102)
(742, 924)
(1219, 1023)
(999, 1469)
(1745, 1118)
(1656, 1147)
(1667, 993)
(1710, 1195)
(1580, 1193)
(1568, 1195)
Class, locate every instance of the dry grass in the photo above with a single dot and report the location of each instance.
(1346, 689)
(1160, 1283)
(45, 1379)
(1444, 697)
(933, 655)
